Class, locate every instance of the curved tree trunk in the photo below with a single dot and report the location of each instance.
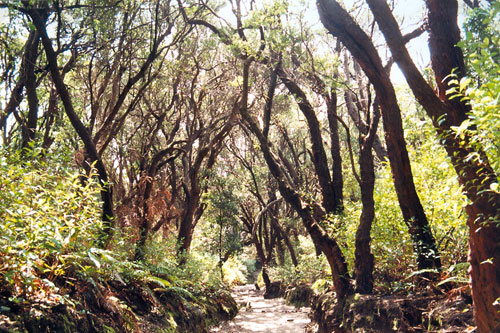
(329, 200)
(475, 174)
(340, 24)
(333, 253)
(364, 259)
(90, 148)
(30, 56)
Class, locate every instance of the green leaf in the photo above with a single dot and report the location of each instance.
(162, 282)
(94, 259)
(452, 279)
(464, 83)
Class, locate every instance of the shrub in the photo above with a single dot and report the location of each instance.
(49, 213)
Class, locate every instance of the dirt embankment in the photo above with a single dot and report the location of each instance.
(117, 307)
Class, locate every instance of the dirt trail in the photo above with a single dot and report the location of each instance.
(263, 315)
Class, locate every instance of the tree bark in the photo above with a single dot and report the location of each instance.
(340, 24)
(276, 225)
(148, 188)
(333, 253)
(364, 259)
(106, 188)
(378, 147)
(27, 72)
(333, 124)
(330, 202)
(474, 174)
(30, 56)
(192, 188)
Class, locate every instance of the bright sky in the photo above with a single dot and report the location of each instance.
(410, 14)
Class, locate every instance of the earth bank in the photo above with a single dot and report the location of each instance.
(118, 307)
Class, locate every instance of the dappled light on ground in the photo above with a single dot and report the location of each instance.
(264, 315)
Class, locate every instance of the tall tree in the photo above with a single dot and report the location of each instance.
(311, 214)
(38, 16)
(340, 24)
(469, 160)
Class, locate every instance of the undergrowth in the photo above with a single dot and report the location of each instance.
(49, 242)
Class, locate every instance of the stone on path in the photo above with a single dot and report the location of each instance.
(263, 315)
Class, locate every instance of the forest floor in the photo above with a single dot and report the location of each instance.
(263, 315)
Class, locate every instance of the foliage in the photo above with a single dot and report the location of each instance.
(481, 42)
(310, 269)
(50, 216)
(441, 196)
(51, 212)
(482, 88)
(235, 271)
(197, 274)
(221, 230)
(51, 219)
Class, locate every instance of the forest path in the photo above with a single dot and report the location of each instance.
(263, 315)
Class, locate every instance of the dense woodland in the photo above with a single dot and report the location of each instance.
(155, 153)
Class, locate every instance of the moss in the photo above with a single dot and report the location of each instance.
(299, 296)
(120, 308)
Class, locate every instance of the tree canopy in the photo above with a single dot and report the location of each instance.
(191, 144)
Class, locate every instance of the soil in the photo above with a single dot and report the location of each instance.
(451, 312)
(114, 306)
(264, 315)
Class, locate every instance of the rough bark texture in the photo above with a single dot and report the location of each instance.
(337, 176)
(475, 174)
(364, 259)
(30, 56)
(340, 24)
(90, 148)
(333, 253)
(330, 202)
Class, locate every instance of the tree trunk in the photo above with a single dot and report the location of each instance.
(339, 23)
(286, 238)
(337, 176)
(474, 174)
(186, 227)
(329, 200)
(280, 250)
(30, 56)
(108, 216)
(276, 225)
(364, 260)
(378, 147)
(262, 257)
(145, 226)
(333, 253)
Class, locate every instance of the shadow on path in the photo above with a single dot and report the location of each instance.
(263, 315)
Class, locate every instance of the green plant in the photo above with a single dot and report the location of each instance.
(310, 268)
(50, 216)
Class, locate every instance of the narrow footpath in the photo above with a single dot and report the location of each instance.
(263, 315)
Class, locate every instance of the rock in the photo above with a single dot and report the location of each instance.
(275, 290)
(299, 296)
